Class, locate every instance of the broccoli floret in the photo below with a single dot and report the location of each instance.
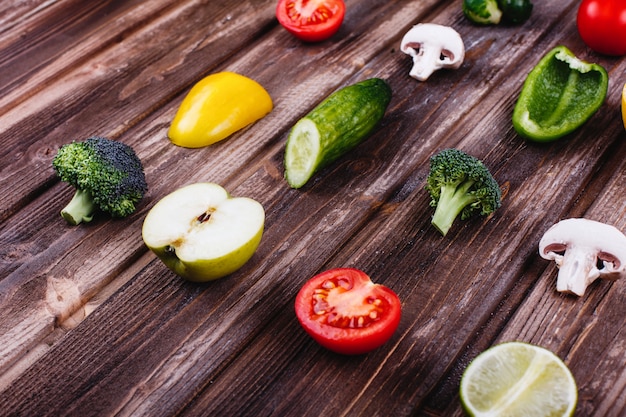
(107, 175)
(460, 184)
(484, 12)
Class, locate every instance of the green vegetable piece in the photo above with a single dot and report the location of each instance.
(459, 183)
(483, 12)
(559, 95)
(515, 11)
(107, 175)
(337, 125)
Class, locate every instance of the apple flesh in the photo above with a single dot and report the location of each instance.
(202, 233)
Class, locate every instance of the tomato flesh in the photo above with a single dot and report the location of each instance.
(311, 20)
(344, 311)
(602, 25)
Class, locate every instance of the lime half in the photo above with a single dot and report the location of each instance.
(518, 379)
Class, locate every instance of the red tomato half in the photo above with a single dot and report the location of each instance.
(602, 25)
(344, 311)
(311, 20)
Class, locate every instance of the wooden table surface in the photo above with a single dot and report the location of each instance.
(92, 323)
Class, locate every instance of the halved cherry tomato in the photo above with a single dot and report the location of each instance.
(602, 25)
(311, 20)
(344, 311)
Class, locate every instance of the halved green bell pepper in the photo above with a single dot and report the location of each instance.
(560, 94)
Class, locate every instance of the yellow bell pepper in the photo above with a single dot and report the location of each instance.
(216, 107)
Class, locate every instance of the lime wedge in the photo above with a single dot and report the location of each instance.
(518, 379)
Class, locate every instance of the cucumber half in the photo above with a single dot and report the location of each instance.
(302, 153)
(335, 126)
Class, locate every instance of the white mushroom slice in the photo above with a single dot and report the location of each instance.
(584, 250)
(432, 47)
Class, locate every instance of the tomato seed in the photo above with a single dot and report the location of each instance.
(344, 283)
(328, 284)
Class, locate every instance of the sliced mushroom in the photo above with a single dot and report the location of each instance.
(432, 47)
(584, 250)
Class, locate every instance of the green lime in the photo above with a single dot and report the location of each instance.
(518, 379)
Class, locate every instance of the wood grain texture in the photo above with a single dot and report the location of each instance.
(91, 323)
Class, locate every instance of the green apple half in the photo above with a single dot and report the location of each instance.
(202, 233)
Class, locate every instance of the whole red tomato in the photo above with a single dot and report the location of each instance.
(602, 25)
(311, 20)
(344, 311)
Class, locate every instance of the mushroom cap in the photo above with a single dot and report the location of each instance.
(432, 47)
(441, 37)
(606, 240)
(584, 250)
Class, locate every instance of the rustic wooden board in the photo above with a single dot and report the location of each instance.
(93, 324)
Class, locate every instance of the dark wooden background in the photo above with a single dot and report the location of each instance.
(91, 323)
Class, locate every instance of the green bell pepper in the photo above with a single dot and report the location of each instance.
(560, 94)
(516, 11)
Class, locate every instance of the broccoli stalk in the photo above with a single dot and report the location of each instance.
(452, 200)
(108, 176)
(460, 184)
(80, 209)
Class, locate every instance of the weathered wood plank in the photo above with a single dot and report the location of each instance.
(125, 76)
(232, 159)
(588, 331)
(27, 173)
(512, 259)
(156, 344)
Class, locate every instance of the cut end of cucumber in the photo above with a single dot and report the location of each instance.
(302, 153)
